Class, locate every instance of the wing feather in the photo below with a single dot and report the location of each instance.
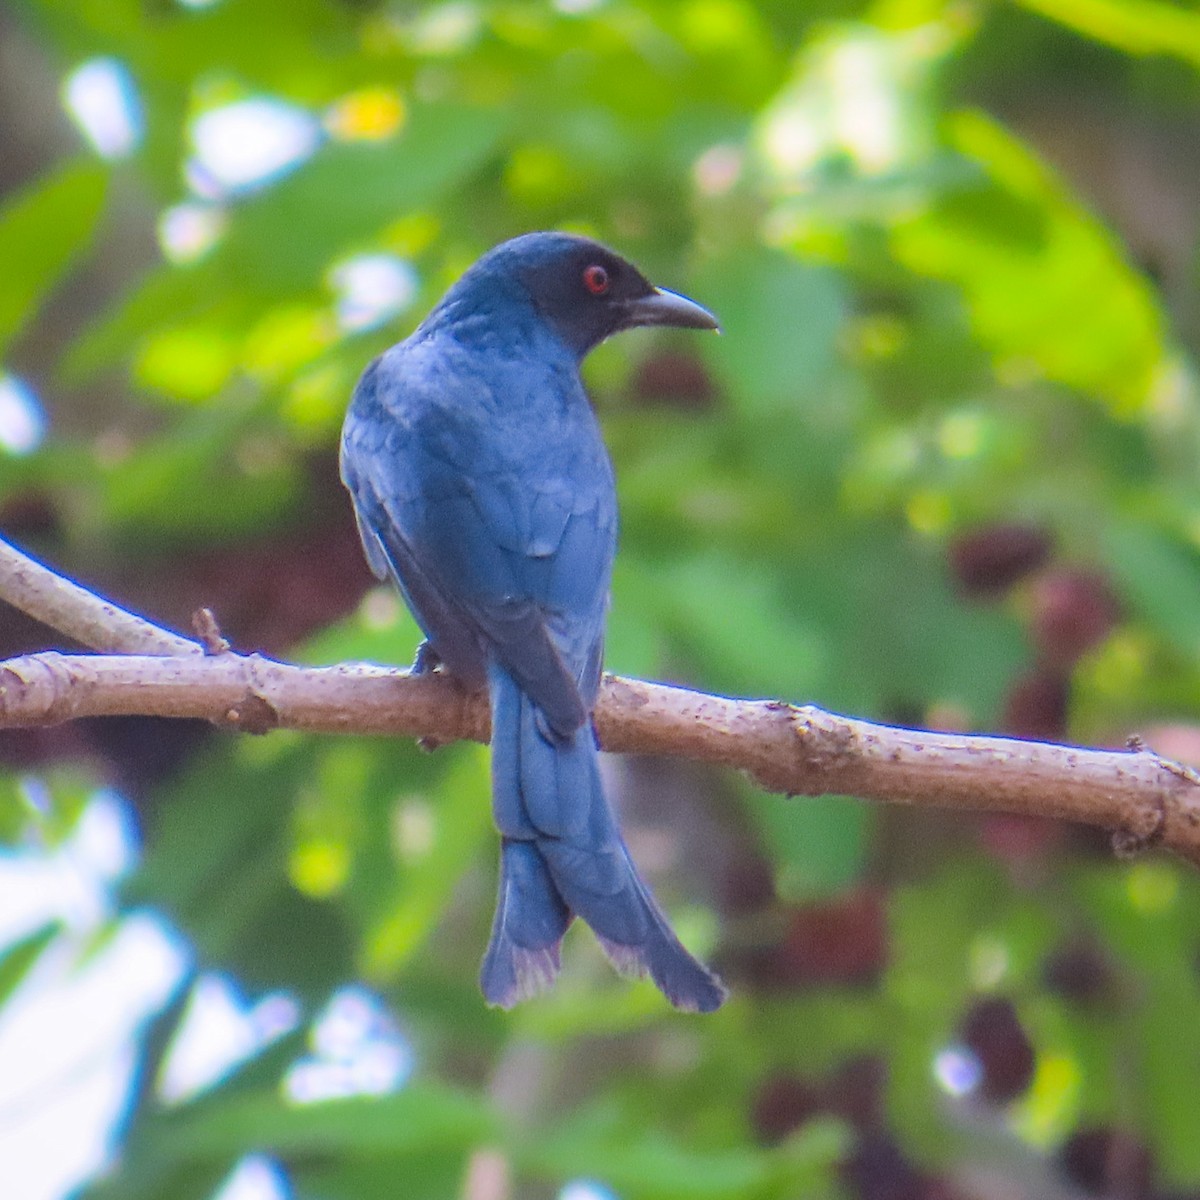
(495, 558)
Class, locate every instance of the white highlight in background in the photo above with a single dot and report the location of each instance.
(67, 1032)
(66, 1041)
(101, 98)
(586, 1189)
(218, 1032)
(256, 1178)
(866, 116)
(957, 1070)
(188, 231)
(371, 288)
(22, 421)
(358, 1051)
(246, 144)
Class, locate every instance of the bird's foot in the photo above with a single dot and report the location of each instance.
(427, 659)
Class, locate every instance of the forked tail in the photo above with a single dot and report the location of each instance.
(562, 856)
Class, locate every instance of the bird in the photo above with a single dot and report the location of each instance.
(482, 488)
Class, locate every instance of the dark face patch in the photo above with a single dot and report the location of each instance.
(584, 290)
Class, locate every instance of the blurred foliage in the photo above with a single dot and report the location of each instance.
(940, 468)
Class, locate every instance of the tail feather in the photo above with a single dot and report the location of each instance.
(635, 934)
(522, 957)
(563, 856)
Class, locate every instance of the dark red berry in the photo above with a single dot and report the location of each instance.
(1073, 611)
(878, 1170)
(994, 1034)
(782, 1104)
(674, 380)
(989, 560)
(1080, 971)
(747, 884)
(1108, 1162)
(30, 514)
(841, 941)
(1036, 706)
(1017, 841)
(854, 1092)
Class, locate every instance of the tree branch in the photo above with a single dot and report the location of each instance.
(801, 751)
(80, 614)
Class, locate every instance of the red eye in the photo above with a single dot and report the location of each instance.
(595, 279)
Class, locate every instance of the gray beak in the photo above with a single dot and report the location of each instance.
(662, 307)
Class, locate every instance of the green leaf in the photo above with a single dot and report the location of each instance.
(435, 1175)
(818, 844)
(1148, 911)
(185, 482)
(928, 983)
(18, 958)
(439, 840)
(1162, 578)
(734, 622)
(643, 1164)
(43, 231)
(281, 243)
(1047, 285)
(236, 899)
(348, 193)
(780, 319)
(1136, 26)
(419, 1117)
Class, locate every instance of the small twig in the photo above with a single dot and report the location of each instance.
(205, 627)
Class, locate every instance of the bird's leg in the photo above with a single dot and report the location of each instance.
(427, 659)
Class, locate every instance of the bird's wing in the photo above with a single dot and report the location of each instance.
(511, 543)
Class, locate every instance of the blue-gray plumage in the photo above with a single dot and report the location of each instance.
(482, 487)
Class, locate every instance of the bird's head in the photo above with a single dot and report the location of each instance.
(583, 290)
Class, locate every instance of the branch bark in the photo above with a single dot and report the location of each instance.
(800, 751)
(82, 615)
